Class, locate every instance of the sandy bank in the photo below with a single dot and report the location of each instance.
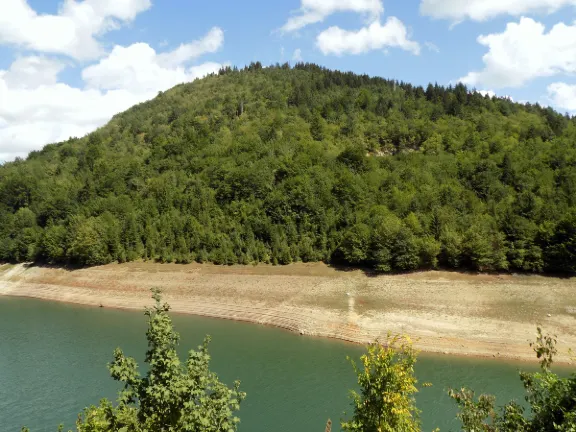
(482, 315)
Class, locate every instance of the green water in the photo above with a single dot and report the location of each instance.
(53, 358)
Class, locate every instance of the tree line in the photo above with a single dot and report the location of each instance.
(285, 164)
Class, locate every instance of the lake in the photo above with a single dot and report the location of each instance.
(53, 364)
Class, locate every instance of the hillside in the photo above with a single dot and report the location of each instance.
(288, 164)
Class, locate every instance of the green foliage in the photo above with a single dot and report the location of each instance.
(284, 164)
(356, 243)
(53, 243)
(87, 244)
(387, 387)
(552, 400)
(172, 397)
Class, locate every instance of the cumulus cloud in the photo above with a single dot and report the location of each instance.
(36, 108)
(481, 10)
(337, 41)
(72, 32)
(563, 95)
(138, 68)
(314, 11)
(524, 51)
(376, 36)
(32, 72)
(38, 116)
(210, 43)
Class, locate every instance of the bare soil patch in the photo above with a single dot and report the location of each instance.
(455, 313)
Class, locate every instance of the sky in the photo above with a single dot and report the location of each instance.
(66, 67)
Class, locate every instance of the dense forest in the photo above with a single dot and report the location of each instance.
(285, 164)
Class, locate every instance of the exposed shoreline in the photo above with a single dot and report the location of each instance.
(449, 313)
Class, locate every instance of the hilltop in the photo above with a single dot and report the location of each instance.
(282, 164)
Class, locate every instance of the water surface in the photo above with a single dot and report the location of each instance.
(53, 363)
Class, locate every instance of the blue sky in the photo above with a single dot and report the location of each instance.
(67, 66)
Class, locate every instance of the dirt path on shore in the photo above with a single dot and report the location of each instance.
(454, 313)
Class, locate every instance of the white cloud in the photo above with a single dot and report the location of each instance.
(489, 93)
(72, 31)
(563, 95)
(480, 10)
(314, 11)
(492, 93)
(35, 117)
(207, 68)
(376, 36)
(138, 68)
(32, 72)
(37, 109)
(337, 41)
(524, 51)
(210, 43)
(297, 56)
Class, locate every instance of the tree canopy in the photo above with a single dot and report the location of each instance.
(551, 400)
(386, 402)
(388, 385)
(285, 164)
(172, 397)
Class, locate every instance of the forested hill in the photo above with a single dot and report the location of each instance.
(288, 164)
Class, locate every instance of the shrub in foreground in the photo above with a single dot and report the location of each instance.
(172, 397)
